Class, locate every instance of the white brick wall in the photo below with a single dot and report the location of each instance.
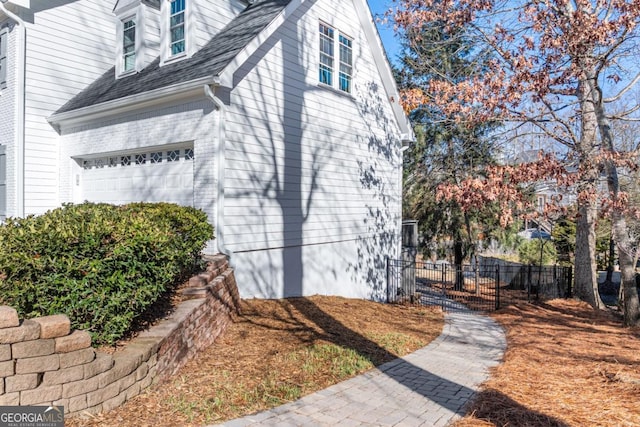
(195, 121)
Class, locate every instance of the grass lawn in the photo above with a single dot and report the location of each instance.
(566, 365)
(277, 351)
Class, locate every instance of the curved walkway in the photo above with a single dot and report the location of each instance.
(429, 387)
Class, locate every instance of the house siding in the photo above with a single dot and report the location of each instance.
(312, 175)
(313, 197)
(62, 58)
(213, 17)
(151, 36)
(8, 121)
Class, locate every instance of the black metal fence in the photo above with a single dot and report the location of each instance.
(480, 287)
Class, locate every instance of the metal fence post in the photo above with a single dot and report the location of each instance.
(388, 279)
(529, 268)
(497, 287)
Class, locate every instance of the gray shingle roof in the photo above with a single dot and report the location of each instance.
(153, 3)
(208, 61)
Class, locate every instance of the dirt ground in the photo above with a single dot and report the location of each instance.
(264, 359)
(566, 365)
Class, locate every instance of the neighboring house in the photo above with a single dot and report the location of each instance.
(545, 193)
(279, 118)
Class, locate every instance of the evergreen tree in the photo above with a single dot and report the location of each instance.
(446, 151)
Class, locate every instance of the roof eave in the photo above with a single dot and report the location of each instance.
(151, 98)
(384, 68)
(22, 3)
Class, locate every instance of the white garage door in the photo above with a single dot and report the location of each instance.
(158, 175)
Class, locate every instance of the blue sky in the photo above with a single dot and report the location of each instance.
(378, 7)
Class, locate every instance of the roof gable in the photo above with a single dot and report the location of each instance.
(223, 55)
(208, 61)
(384, 68)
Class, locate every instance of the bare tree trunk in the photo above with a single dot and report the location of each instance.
(630, 302)
(610, 260)
(626, 248)
(586, 283)
(458, 259)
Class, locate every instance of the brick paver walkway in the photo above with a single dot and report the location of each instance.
(429, 387)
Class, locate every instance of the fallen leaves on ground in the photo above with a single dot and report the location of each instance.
(566, 365)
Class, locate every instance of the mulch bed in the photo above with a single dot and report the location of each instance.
(265, 345)
(566, 365)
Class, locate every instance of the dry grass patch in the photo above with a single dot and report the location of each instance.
(566, 365)
(275, 352)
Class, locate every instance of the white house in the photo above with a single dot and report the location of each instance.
(279, 118)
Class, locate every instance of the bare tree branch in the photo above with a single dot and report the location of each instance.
(627, 88)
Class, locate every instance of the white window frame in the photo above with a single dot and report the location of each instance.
(345, 63)
(335, 67)
(326, 54)
(178, 42)
(126, 54)
(166, 56)
(137, 15)
(4, 47)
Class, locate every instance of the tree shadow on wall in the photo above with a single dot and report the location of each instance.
(379, 176)
(281, 174)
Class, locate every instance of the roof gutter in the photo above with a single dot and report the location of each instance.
(163, 95)
(220, 158)
(20, 106)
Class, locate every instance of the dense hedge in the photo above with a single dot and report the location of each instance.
(102, 265)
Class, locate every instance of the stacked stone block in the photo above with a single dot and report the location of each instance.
(43, 362)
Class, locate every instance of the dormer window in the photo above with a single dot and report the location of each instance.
(177, 30)
(129, 45)
(176, 27)
(138, 35)
(329, 44)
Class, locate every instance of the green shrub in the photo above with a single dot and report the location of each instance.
(529, 252)
(101, 265)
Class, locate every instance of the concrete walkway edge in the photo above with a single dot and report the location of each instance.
(429, 387)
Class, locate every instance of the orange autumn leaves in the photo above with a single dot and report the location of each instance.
(502, 185)
(542, 50)
(546, 56)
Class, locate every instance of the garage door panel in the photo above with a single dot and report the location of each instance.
(167, 181)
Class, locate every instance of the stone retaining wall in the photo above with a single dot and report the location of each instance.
(42, 362)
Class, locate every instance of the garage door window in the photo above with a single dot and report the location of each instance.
(156, 157)
(152, 157)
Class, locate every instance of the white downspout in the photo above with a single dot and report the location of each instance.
(20, 108)
(220, 158)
